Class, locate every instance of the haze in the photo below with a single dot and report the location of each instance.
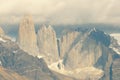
(61, 11)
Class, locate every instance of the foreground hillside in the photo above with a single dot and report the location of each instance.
(10, 75)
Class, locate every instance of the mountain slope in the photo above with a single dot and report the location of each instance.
(15, 59)
(10, 75)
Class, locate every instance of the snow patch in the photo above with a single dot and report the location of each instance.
(94, 29)
(1, 39)
(15, 51)
(40, 56)
(116, 36)
(57, 66)
(13, 39)
(116, 50)
(78, 72)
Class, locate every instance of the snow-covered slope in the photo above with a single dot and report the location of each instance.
(116, 36)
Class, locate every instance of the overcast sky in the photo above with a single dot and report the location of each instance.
(61, 11)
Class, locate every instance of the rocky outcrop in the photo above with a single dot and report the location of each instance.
(27, 36)
(47, 44)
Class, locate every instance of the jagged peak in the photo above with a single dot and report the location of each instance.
(95, 30)
(50, 27)
(92, 30)
(27, 19)
(100, 36)
(45, 28)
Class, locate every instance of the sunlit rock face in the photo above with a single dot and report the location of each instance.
(47, 44)
(1, 31)
(27, 36)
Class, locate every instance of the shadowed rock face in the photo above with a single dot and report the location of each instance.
(100, 36)
(27, 36)
(86, 49)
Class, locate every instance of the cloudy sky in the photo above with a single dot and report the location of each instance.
(61, 11)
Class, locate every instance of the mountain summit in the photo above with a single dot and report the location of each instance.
(27, 37)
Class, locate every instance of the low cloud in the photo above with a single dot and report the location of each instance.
(61, 11)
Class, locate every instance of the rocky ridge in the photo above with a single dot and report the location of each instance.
(78, 52)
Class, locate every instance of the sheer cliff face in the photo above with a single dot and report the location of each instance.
(47, 44)
(27, 36)
(81, 50)
(66, 41)
(77, 50)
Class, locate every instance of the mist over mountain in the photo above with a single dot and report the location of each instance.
(59, 40)
(12, 29)
(77, 52)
